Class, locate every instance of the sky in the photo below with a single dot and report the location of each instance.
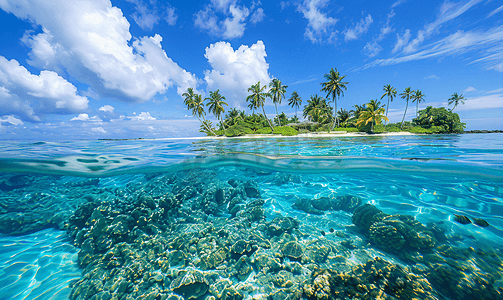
(117, 69)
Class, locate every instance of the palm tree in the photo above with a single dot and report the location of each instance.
(334, 87)
(317, 110)
(344, 116)
(456, 99)
(257, 99)
(405, 95)
(374, 114)
(295, 101)
(277, 92)
(195, 102)
(232, 117)
(391, 93)
(189, 98)
(417, 97)
(215, 103)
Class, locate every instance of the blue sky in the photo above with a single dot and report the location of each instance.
(116, 69)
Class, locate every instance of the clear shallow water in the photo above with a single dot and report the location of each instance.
(431, 178)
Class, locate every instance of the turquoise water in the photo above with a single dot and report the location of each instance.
(177, 210)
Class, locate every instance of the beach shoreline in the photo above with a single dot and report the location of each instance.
(300, 135)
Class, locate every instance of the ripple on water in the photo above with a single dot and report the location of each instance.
(37, 266)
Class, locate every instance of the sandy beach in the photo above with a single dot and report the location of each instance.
(301, 135)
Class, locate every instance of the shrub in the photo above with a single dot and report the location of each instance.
(237, 130)
(286, 130)
(439, 117)
(264, 130)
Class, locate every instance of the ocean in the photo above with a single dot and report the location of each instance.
(366, 217)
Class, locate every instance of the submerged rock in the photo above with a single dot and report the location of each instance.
(190, 284)
(462, 219)
(480, 222)
(366, 215)
(292, 250)
(280, 225)
(306, 206)
(377, 279)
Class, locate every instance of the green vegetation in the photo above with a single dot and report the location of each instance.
(318, 114)
(374, 114)
(439, 120)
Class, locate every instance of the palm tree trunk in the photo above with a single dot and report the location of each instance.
(387, 107)
(401, 126)
(270, 125)
(221, 122)
(277, 115)
(335, 113)
(417, 107)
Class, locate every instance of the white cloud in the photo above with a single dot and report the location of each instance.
(233, 72)
(448, 11)
(401, 41)
(488, 45)
(495, 91)
(470, 89)
(359, 29)
(98, 130)
(29, 96)
(11, 120)
(235, 27)
(148, 14)
(497, 10)
(233, 24)
(397, 3)
(258, 16)
(483, 102)
(319, 24)
(81, 117)
(85, 118)
(373, 48)
(107, 108)
(433, 77)
(142, 117)
(171, 16)
(92, 42)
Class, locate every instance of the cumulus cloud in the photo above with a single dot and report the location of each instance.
(107, 108)
(142, 117)
(234, 71)
(226, 19)
(85, 118)
(319, 25)
(359, 29)
(29, 96)
(91, 41)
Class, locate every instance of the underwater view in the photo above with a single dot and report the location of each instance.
(370, 217)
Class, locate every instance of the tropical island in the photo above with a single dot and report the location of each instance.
(320, 113)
